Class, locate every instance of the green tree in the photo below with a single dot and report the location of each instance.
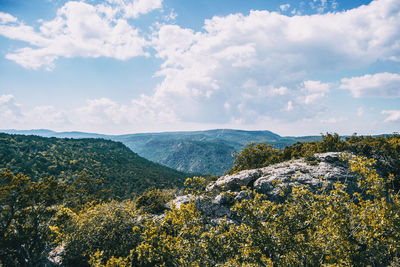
(26, 210)
(255, 156)
(154, 200)
(111, 228)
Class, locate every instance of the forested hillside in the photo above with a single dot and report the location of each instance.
(286, 214)
(206, 152)
(123, 171)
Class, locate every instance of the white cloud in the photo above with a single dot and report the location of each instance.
(5, 99)
(393, 115)
(284, 7)
(238, 70)
(171, 16)
(47, 116)
(319, 5)
(135, 8)
(314, 90)
(6, 18)
(80, 30)
(108, 116)
(9, 109)
(241, 61)
(289, 106)
(322, 6)
(13, 114)
(384, 84)
(360, 111)
(283, 90)
(334, 120)
(104, 111)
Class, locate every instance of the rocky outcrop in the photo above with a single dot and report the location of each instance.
(235, 181)
(323, 170)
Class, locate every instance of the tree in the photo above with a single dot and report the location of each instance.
(27, 208)
(111, 229)
(255, 156)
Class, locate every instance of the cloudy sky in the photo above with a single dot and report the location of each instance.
(126, 66)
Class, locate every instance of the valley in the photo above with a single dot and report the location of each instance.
(203, 152)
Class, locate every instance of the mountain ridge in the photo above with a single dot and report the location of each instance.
(124, 171)
(206, 152)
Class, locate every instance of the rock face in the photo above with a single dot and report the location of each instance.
(236, 181)
(324, 169)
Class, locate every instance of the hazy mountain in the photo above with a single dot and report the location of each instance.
(210, 151)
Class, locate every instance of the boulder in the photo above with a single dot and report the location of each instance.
(235, 181)
(275, 181)
(178, 201)
(326, 168)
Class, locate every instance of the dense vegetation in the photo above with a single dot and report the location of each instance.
(330, 226)
(123, 171)
(205, 152)
(385, 149)
(193, 156)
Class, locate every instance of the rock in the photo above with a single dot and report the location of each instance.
(242, 195)
(235, 181)
(221, 199)
(324, 170)
(54, 258)
(330, 168)
(178, 201)
(211, 209)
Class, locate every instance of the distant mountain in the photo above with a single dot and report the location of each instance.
(50, 133)
(39, 132)
(206, 152)
(194, 156)
(124, 171)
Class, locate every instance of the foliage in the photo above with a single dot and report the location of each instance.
(26, 209)
(255, 156)
(173, 241)
(327, 227)
(201, 152)
(113, 228)
(198, 152)
(192, 156)
(385, 149)
(96, 260)
(123, 171)
(154, 200)
(307, 228)
(195, 185)
(85, 190)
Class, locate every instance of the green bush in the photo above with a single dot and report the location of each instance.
(154, 200)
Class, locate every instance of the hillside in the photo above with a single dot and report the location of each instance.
(275, 207)
(194, 156)
(123, 171)
(206, 152)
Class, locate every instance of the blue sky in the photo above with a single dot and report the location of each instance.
(127, 66)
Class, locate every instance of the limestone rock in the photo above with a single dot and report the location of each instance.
(324, 170)
(327, 169)
(235, 181)
(178, 201)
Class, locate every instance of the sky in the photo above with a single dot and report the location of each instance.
(129, 66)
